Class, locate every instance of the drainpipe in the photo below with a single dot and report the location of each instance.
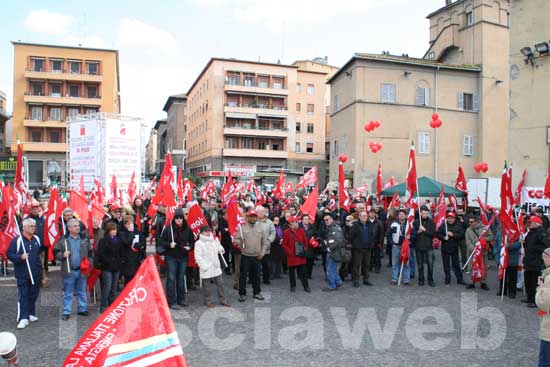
(436, 149)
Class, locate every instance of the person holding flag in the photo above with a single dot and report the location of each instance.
(473, 234)
(511, 270)
(24, 252)
(535, 243)
(396, 237)
(36, 214)
(108, 260)
(422, 237)
(451, 234)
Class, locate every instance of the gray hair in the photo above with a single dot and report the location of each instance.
(260, 208)
(70, 222)
(68, 211)
(29, 222)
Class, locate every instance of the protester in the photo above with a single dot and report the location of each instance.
(177, 241)
(115, 217)
(335, 243)
(294, 237)
(277, 252)
(511, 273)
(396, 238)
(451, 234)
(204, 207)
(392, 218)
(71, 250)
(253, 243)
(36, 214)
(108, 260)
(208, 252)
(422, 238)
(463, 219)
(472, 236)
(535, 243)
(365, 234)
(226, 241)
(311, 233)
(542, 298)
(67, 215)
(24, 251)
(133, 243)
(269, 232)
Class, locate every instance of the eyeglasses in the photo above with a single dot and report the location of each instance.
(178, 218)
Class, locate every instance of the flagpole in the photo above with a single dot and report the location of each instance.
(400, 273)
(64, 234)
(522, 249)
(470, 258)
(20, 240)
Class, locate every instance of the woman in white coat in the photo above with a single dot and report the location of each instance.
(207, 251)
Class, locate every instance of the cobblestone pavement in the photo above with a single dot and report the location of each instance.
(381, 325)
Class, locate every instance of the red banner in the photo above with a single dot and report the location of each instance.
(196, 219)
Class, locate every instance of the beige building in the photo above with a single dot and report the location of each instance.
(3, 121)
(52, 83)
(530, 86)
(248, 116)
(463, 76)
(176, 110)
(151, 153)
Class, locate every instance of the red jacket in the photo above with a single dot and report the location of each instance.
(289, 238)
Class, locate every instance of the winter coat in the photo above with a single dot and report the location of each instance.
(277, 253)
(33, 247)
(290, 237)
(131, 251)
(514, 252)
(269, 231)
(182, 236)
(472, 236)
(535, 243)
(542, 299)
(40, 227)
(396, 233)
(375, 234)
(225, 236)
(109, 254)
(451, 245)
(62, 245)
(423, 240)
(335, 241)
(207, 250)
(252, 240)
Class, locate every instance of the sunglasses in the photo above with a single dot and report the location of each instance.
(178, 217)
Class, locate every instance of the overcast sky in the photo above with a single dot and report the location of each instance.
(164, 44)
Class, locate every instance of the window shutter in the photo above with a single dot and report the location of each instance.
(475, 102)
(460, 101)
(382, 93)
(391, 88)
(427, 96)
(420, 96)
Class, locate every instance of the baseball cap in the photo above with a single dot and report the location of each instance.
(114, 206)
(451, 214)
(252, 213)
(535, 219)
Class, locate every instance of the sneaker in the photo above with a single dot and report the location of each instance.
(225, 304)
(65, 317)
(242, 298)
(33, 318)
(259, 297)
(23, 323)
(210, 305)
(83, 313)
(175, 307)
(307, 290)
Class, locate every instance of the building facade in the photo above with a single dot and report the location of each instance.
(151, 154)
(176, 124)
(529, 146)
(52, 83)
(4, 147)
(463, 77)
(162, 137)
(251, 116)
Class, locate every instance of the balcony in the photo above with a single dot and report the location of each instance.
(260, 109)
(32, 98)
(45, 147)
(254, 87)
(262, 132)
(255, 153)
(30, 122)
(63, 75)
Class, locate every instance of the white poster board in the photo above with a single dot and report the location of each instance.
(83, 150)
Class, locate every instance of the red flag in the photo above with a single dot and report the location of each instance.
(196, 219)
(461, 180)
(234, 218)
(510, 231)
(79, 203)
(288, 187)
(410, 183)
(209, 190)
(547, 186)
(132, 187)
(482, 212)
(332, 202)
(517, 199)
(228, 190)
(8, 227)
(478, 269)
(308, 179)
(188, 187)
(81, 186)
(114, 188)
(279, 190)
(390, 183)
(180, 188)
(379, 182)
(99, 192)
(360, 191)
(92, 278)
(20, 181)
(309, 206)
(504, 261)
(344, 200)
(404, 254)
(453, 202)
(167, 182)
(51, 230)
(441, 210)
(395, 201)
(117, 339)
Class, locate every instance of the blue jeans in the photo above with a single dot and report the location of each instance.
(175, 280)
(109, 281)
(544, 354)
(396, 265)
(412, 262)
(74, 281)
(333, 278)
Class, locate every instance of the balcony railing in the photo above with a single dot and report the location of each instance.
(253, 83)
(57, 95)
(63, 71)
(257, 105)
(257, 128)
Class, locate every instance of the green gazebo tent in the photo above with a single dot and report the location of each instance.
(427, 187)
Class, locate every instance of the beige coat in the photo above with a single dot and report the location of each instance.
(542, 299)
(252, 240)
(269, 231)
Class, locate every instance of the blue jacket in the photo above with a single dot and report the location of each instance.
(33, 248)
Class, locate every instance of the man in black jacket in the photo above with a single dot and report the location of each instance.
(423, 234)
(364, 236)
(451, 234)
(535, 242)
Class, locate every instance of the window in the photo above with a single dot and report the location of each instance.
(423, 143)
(431, 55)
(309, 148)
(310, 128)
(262, 145)
(36, 113)
(335, 105)
(468, 101)
(297, 148)
(37, 89)
(92, 91)
(90, 110)
(278, 83)
(387, 93)
(55, 90)
(55, 136)
(298, 88)
(36, 135)
(38, 64)
(305, 169)
(310, 89)
(335, 147)
(298, 107)
(298, 127)
(55, 113)
(262, 81)
(247, 143)
(93, 68)
(468, 148)
(75, 67)
(310, 109)
(422, 96)
(469, 18)
(233, 78)
(74, 91)
(277, 145)
(57, 66)
(73, 112)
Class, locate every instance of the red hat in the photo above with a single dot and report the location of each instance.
(114, 206)
(252, 213)
(292, 219)
(35, 204)
(535, 219)
(451, 214)
(489, 207)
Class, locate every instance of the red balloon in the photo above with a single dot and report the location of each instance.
(432, 124)
(435, 116)
(477, 167)
(343, 158)
(484, 167)
(438, 123)
(377, 123)
(366, 127)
